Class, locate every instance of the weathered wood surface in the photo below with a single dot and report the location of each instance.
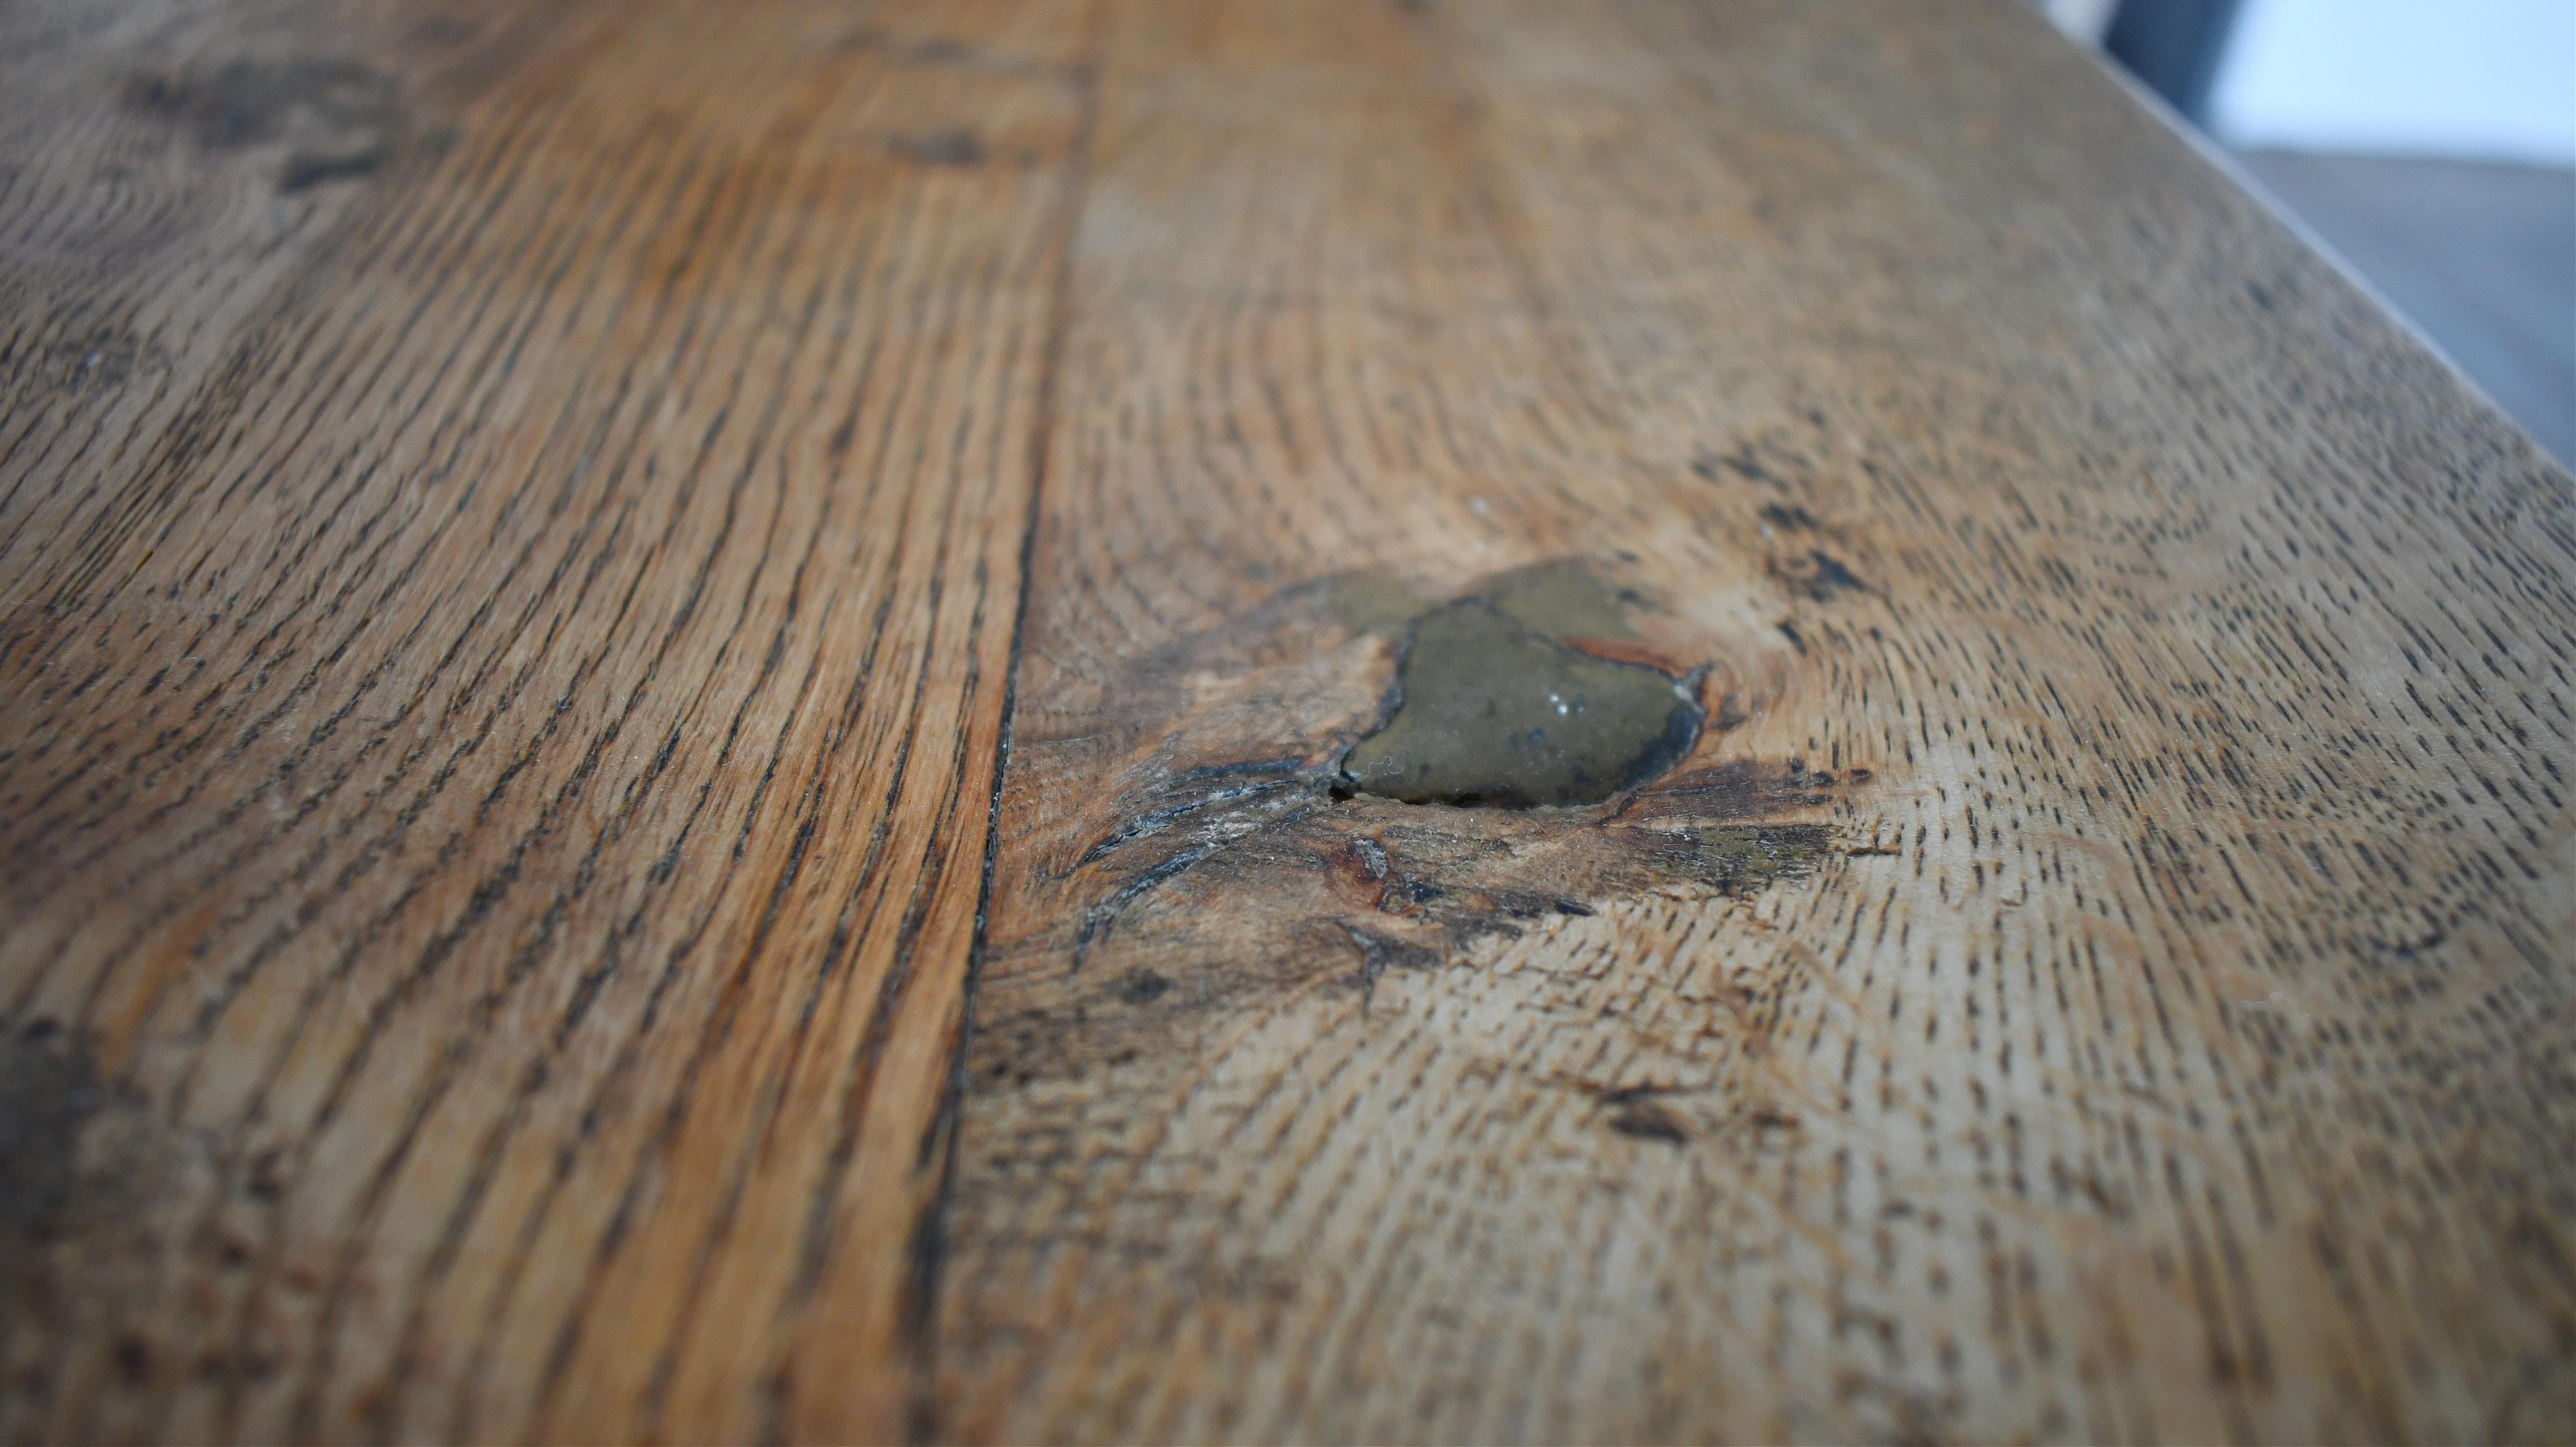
(521, 524)
(505, 656)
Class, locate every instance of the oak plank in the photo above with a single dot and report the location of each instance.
(2167, 1038)
(512, 526)
(512, 522)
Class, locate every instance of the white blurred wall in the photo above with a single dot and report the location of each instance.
(2492, 79)
(2086, 20)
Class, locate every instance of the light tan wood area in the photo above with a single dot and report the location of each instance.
(674, 679)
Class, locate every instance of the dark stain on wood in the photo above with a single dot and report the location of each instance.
(1142, 987)
(1242, 859)
(305, 172)
(944, 52)
(344, 121)
(79, 1159)
(1818, 576)
(1277, 887)
(1712, 466)
(246, 102)
(1646, 1121)
(952, 146)
(49, 1091)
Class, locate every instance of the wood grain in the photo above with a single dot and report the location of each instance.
(583, 580)
(2172, 1040)
(504, 666)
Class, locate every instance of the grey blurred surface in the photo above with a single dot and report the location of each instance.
(2480, 255)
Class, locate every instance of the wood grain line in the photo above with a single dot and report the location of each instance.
(527, 878)
(533, 537)
(929, 1244)
(2140, 670)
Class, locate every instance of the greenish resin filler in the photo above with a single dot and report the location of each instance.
(1491, 710)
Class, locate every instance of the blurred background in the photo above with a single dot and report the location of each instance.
(2431, 144)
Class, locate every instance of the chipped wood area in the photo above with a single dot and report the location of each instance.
(585, 582)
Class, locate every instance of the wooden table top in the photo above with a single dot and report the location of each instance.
(801, 721)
